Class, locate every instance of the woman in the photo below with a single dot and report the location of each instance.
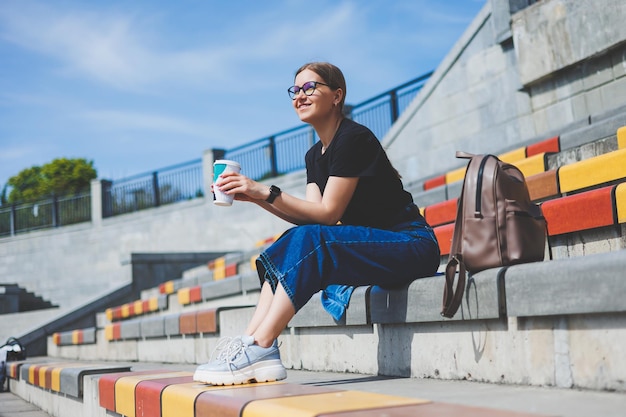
(356, 226)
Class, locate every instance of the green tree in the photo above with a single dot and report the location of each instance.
(61, 177)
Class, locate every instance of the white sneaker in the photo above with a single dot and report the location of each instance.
(239, 361)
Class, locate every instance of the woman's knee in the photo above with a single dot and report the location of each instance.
(306, 230)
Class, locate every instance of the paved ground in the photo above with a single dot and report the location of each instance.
(539, 400)
(13, 406)
(542, 401)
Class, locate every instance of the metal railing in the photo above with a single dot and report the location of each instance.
(275, 155)
(261, 159)
(153, 189)
(54, 212)
(284, 152)
(265, 158)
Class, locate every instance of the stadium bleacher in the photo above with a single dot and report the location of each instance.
(191, 311)
(543, 338)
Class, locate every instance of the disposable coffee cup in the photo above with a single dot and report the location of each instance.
(219, 167)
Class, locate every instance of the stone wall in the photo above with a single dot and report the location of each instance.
(506, 82)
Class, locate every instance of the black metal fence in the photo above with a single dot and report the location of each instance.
(54, 212)
(169, 185)
(264, 158)
(274, 155)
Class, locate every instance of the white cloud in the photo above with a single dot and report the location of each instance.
(124, 51)
(80, 74)
(100, 47)
(106, 46)
(125, 120)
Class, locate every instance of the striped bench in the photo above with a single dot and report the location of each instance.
(13, 368)
(137, 308)
(161, 393)
(556, 189)
(204, 321)
(60, 377)
(75, 337)
(601, 207)
(225, 266)
(529, 158)
(232, 285)
(219, 269)
(233, 273)
(586, 210)
(591, 172)
(532, 161)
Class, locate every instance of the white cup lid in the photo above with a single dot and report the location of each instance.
(227, 162)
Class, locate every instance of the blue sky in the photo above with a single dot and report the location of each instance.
(140, 85)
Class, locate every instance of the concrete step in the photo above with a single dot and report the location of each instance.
(15, 299)
(541, 314)
(433, 397)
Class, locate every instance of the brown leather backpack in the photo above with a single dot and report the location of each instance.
(496, 224)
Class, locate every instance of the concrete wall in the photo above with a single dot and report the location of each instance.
(476, 101)
(497, 89)
(544, 44)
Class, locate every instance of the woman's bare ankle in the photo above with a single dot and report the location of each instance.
(263, 342)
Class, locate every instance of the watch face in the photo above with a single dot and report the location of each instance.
(274, 192)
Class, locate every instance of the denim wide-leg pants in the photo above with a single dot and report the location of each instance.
(309, 258)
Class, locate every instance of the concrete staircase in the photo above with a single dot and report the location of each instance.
(15, 299)
(557, 324)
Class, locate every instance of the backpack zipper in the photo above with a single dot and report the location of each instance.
(479, 188)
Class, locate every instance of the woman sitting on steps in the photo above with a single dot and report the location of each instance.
(356, 226)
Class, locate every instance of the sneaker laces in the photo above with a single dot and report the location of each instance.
(235, 348)
(229, 349)
(224, 346)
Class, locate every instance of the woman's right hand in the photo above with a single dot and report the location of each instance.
(243, 188)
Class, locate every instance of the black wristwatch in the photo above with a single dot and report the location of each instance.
(274, 192)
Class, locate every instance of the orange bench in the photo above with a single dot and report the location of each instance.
(535, 154)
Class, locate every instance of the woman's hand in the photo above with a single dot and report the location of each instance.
(314, 209)
(242, 187)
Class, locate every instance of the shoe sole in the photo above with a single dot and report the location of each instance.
(264, 371)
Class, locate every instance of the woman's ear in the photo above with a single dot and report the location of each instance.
(338, 96)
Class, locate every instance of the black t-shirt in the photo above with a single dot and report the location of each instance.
(356, 152)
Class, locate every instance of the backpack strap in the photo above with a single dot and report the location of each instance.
(453, 296)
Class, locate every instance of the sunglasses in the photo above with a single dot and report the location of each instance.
(307, 88)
